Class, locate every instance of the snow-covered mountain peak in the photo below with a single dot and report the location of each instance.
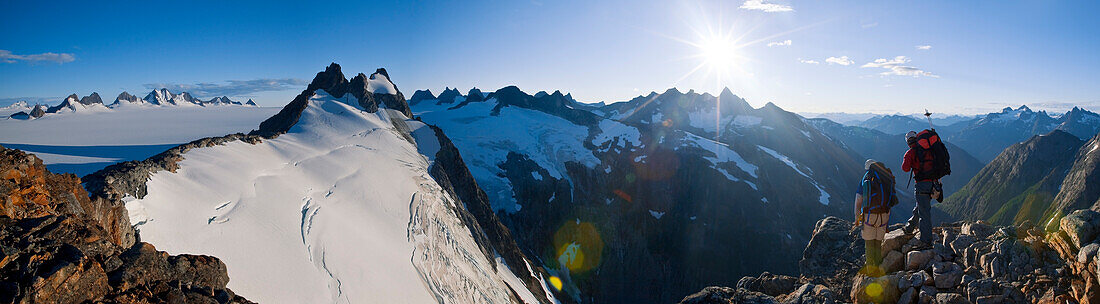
(351, 203)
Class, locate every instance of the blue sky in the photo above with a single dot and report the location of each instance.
(980, 55)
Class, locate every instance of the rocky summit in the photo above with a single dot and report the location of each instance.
(969, 262)
(59, 246)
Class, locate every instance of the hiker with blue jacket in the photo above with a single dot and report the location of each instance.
(874, 198)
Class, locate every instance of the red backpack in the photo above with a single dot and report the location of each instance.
(933, 161)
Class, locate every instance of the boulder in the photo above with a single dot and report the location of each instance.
(893, 261)
(883, 289)
(977, 229)
(810, 293)
(895, 239)
(917, 260)
(1081, 226)
(950, 298)
(946, 274)
(769, 284)
(993, 299)
(908, 297)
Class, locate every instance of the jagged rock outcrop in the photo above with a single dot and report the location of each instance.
(250, 102)
(38, 111)
(969, 262)
(333, 82)
(125, 97)
(449, 95)
(1076, 241)
(91, 99)
(58, 248)
(421, 95)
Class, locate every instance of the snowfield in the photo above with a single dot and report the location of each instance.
(340, 209)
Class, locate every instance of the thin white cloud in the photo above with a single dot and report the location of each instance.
(842, 60)
(780, 43)
(897, 67)
(868, 25)
(924, 47)
(760, 5)
(811, 61)
(8, 57)
(232, 87)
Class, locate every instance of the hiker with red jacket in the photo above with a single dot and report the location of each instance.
(928, 161)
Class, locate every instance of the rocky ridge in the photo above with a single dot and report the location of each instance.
(60, 246)
(969, 262)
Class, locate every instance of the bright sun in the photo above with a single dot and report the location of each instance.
(718, 52)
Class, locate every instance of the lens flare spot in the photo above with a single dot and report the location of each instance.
(556, 282)
(874, 290)
(578, 246)
(623, 195)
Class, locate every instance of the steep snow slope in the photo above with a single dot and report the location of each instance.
(341, 209)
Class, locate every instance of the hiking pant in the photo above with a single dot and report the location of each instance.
(922, 212)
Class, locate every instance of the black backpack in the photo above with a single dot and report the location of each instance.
(929, 147)
(878, 190)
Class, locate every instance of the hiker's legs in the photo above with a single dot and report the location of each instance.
(923, 210)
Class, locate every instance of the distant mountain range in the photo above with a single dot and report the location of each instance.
(94, 103)
(984, 136)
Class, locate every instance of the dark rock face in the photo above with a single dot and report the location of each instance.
(1020, 184)
(474, 95)
(250, 103)
(20, 115)
(91, 99)
(38, 111)
(448, 96)
(421, 95)
(358, 88)
(58, 249)
(969, 263)
(555, 104)
(126, 97)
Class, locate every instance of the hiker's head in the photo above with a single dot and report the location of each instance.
(867, 165)
(911, 137)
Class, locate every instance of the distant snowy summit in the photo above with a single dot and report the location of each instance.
(94, 103)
